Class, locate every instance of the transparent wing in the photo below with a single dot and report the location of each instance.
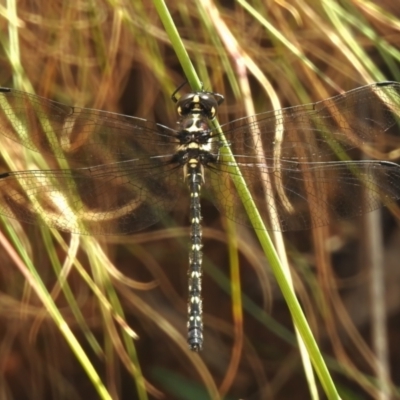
(367, 118)
(301, 195)
(296, 161)
(108, 199)
(86, 136)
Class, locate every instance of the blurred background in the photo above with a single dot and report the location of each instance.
(262, 55)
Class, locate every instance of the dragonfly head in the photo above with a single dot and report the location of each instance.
(203, 103)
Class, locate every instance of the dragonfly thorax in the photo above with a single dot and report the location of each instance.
(195, 140)
(193, 153)
(194, 128)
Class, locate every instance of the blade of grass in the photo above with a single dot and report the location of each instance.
(293, 49)
(20, 80)
(40, 289)
(256, 220)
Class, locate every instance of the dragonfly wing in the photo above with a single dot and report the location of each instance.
(108, 199)
(367, 118)
(81, 135)
(297, 196)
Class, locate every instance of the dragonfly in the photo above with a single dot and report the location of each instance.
(113, 174)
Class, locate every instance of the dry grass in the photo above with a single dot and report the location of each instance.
(116, 56)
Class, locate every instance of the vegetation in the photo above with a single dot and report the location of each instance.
(72, 306)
